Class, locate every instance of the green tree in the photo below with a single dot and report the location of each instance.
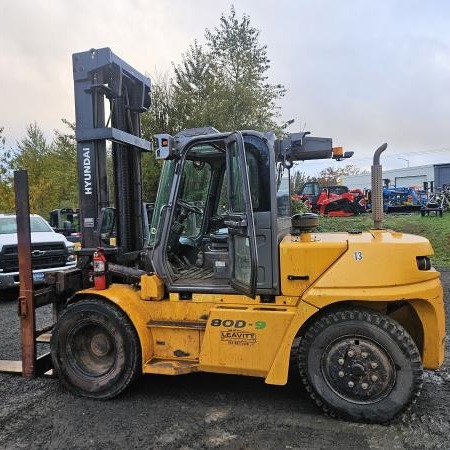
(31, 154)
(151, 170)
(298, 179)
(333, 175)
(63, 162)
(197, 94)
(242, 63)
(6, 189)
(224, 84)
(162, 116)
(51, 167)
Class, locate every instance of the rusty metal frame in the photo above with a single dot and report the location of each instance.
(30, 366)
(26, 298)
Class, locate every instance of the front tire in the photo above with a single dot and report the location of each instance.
(360, 365)
(95, 349)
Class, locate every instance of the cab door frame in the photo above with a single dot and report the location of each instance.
(240, 224)
(240, 220)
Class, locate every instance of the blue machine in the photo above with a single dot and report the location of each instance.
(402, 200)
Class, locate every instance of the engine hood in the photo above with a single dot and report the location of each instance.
(36, 237)
(376, 258)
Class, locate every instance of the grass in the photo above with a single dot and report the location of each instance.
(436, 229)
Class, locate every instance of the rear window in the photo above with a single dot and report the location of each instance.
(8, 225)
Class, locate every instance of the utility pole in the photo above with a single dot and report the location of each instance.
(405, 159)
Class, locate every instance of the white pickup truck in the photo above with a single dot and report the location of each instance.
(49, 250)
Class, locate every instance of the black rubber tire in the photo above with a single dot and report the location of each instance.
(331, 207)
(95, 349)
(339, 205)
(365, 348)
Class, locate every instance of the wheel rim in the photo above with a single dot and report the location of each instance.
(92, 351)
(358, 369)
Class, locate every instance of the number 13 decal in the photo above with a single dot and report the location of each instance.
(358, 256)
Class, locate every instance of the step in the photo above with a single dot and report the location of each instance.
(44, 338)
(181, 324)
(15, 366)
(170, 367)
(9, 366)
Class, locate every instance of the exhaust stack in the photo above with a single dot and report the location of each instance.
(377, 188)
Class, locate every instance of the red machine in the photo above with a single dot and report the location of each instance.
(338, 201)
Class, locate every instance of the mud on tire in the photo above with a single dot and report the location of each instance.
(95, 349)
(360, 365)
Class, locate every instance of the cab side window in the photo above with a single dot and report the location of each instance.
(195, 187)
(283, 197)
(253, 179)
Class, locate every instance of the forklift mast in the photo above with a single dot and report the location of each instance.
(100, 75)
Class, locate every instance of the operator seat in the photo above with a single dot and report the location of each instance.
(219, 241)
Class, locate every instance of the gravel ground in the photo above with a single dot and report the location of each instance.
(202, 411)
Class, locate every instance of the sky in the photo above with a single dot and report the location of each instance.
(362, 72)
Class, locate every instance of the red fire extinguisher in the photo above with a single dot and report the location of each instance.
(99, 261)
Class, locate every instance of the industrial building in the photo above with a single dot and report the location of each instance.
(433, 176)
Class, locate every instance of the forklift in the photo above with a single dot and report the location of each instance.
(65, 221)
(225, 280)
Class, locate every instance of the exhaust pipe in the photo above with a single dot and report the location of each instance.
(377, 188)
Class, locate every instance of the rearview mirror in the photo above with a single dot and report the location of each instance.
(165, 147)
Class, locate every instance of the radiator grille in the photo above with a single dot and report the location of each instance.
(43, 256)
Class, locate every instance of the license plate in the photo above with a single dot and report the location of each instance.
(39, 276)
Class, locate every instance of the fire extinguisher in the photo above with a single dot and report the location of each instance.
(99, 261)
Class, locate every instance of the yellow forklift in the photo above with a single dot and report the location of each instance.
(223, 279)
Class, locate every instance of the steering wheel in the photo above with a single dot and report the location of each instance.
(190, 208)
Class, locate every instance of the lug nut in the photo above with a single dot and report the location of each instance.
(351, 353)
(341, 361)
(364, 386)
(341, 374)
(364, 355)
(351, 384)
(374, 378)
(373, 364)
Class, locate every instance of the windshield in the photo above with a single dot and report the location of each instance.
(8, 225)
(162, 198)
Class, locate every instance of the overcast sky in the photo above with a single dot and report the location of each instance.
(361, 72)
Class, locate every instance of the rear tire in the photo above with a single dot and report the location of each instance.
(95, 349)
(360, 365)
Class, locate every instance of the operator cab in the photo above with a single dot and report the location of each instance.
(218, 228)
